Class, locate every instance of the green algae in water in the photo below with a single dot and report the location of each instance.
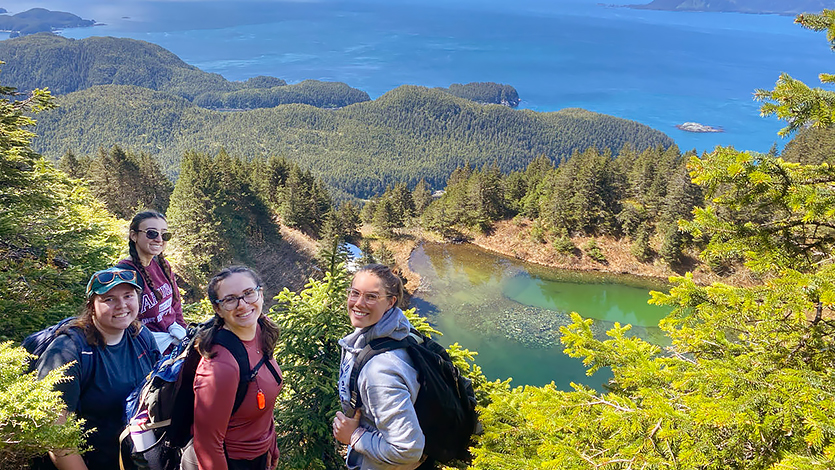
(510, 312)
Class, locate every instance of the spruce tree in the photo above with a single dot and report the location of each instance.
(311, 321)
(115, 179)
(156, 188)
(53, 232)
(422, 196)
(386, 218)
(384, 255)
(349, 221)
(368, 210)
(70, 165)
(201, 244)
(367, 253)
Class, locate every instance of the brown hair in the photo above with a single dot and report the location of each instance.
(269, 330)
(84, 321)
(391, 282)
(160, 258)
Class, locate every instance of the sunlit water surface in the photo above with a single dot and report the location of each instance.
(510, 312)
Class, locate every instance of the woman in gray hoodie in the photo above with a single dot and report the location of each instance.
(384, 432)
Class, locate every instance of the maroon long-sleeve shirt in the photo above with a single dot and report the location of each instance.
(155, 314)
(250, 432)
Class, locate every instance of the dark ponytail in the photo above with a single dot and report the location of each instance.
(166, 269)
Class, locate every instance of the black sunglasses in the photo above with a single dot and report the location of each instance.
(153, 234)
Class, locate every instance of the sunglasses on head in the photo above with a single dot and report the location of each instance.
(153, 234)
(106, 277)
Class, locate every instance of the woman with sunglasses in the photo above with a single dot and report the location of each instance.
(109, 353)
(160, 308)
(384, 432)
(244, 439)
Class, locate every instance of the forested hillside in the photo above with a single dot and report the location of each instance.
(67, 65)
(407, 134)
(40, 19)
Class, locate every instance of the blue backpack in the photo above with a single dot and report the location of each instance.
(38, 342)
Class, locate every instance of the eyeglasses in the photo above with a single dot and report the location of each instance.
(370, 297)
(231, 302)
(153, 234)
(106, 277)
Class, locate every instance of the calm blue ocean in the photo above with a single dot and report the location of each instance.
(658, 68)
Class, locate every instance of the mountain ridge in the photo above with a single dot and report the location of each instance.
(407, 134)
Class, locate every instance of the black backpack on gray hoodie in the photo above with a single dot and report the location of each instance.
(445, 404)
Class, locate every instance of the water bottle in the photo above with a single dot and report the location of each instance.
(142, 439)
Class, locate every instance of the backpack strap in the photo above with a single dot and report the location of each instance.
(231, 342)
(86, 356)
(374, 347)
(146, 340)
(272, 370)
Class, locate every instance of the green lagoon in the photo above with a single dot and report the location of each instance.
(510, 311)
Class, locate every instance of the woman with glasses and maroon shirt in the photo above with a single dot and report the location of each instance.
(243, 439)
(160, 308)
(109, 353)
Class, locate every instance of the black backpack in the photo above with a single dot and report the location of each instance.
(445, 404)
(166, 397)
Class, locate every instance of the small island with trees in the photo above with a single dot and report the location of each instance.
(37, 20)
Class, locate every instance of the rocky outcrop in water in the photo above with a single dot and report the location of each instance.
(696, 127)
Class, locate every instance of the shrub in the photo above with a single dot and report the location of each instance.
(538, 232)
(564, 245)
(593, 251)
(29, 409)
(640, 247)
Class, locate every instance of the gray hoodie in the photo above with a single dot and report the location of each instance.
(388, 388)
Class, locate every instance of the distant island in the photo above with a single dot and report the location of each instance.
(485, 93)
(696, 127)
(777, 7)
(38, 20)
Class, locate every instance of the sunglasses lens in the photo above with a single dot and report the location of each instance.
(127, 275)
(166, 236)
(106, 277)
(151, 234)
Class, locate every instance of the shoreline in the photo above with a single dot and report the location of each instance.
(512, 239)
